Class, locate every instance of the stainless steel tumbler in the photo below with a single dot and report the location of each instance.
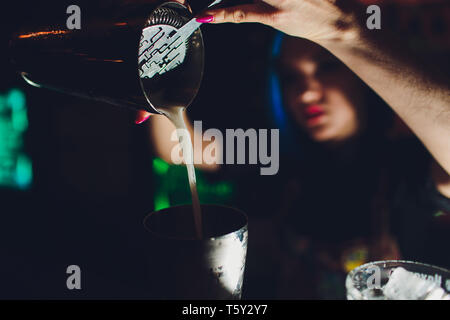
(182, 267)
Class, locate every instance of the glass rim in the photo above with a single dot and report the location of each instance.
(242, 229)
(403, 262)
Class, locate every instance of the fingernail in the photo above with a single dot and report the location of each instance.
(205, 19)
(140, 120)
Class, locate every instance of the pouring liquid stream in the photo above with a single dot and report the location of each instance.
(175, 115)
(170, 58)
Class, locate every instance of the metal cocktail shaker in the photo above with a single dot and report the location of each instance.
(99, 61)
(180, 266)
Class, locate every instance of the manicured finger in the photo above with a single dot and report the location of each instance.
(257, 12)
(142, 116)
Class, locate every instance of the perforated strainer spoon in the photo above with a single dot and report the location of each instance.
(164, 45)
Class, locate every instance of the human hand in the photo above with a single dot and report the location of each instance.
(317, 20)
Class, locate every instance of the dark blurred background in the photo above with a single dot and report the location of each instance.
(76, 177)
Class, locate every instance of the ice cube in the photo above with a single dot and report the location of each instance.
(373, 294)
(437, 293)
(405, 285)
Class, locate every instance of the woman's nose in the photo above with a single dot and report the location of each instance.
(312, 91)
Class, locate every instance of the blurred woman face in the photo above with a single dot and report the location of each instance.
(323, 95)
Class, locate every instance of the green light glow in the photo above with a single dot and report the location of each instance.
(24, 172)
(16, 99)
(160, 166)
(439, 214)
(161, 201)
(15, 166)
(19, 120)
(172, 187)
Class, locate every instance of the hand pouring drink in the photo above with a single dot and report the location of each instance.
(153, 63)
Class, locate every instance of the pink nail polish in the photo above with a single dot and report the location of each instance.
(139, 121)
(205, 19)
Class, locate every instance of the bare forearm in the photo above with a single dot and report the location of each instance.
(417, 94)
(161, 133)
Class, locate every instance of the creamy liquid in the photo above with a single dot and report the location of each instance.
(175, 115)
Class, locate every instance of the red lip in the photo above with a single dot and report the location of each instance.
(313, 115)
(313, 111)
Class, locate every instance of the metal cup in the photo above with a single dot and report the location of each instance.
(183, 267)
(101, 60)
